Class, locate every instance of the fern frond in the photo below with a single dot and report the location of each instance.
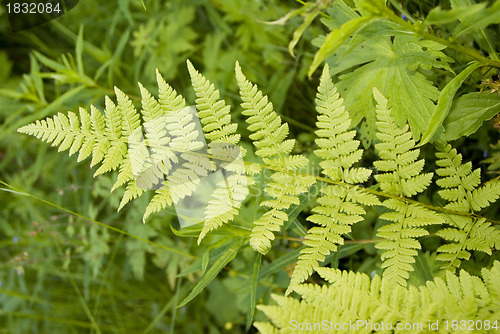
(164, 151)
(354, 298)
(460, 187)
(269, 137)
(339, 208)
(130, 122)
(182, 159)
(132, 191)
(172, 104)
(225, 150)
(265, 328)
(213, 113)
(401, 176)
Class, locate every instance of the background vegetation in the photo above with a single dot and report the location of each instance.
(71, 263)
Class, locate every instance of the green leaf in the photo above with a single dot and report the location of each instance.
(440, 16)
(347, 250)
(253, 289)
(188, 231)
(198, 264)
(79, 50)
(392, 67)
(300, 30)
(213, 271)
(468, 113)
(335, 38)
(480, 20)
(481, 36)
(37, 79)
(280, 263)
(204, 261)
(445, 101)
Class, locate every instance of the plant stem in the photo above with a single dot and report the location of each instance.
(418, 31)
(402, 10)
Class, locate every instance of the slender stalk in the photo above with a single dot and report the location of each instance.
(418, 30)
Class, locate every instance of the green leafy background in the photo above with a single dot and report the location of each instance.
(71, 263)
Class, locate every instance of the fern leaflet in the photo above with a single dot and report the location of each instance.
(400, 175)
(269, 138)
(460, 187)
(225, 150)
(355, 298)
(339, 208)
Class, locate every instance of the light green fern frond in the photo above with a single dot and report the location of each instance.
(169, 101)
(361, 303)
(268, 135)
(225, 150)
(460, 187)
(400, 174)
(160, 147)
(339, 206)
(213, 112)
(153, 113)
(167, 154)
(130, 122)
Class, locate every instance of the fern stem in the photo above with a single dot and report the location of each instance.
(352, 242)
(380, 193)
(330, 181)
(298, 124)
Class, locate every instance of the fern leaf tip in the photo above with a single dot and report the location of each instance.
(378, 95)
(239, 73)
(191, 69)
(326, 70)
(23, 129)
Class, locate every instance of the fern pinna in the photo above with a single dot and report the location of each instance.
(340, 206)
(400, 174)
(461, 189)
(368, 306)
(163, 148)
(231, 191)
(269, 139)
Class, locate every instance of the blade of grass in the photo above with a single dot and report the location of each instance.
(253, 289)
(213, 271)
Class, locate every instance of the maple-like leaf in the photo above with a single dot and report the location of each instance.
(392, 64)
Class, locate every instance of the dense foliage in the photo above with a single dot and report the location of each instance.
(348, 139)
